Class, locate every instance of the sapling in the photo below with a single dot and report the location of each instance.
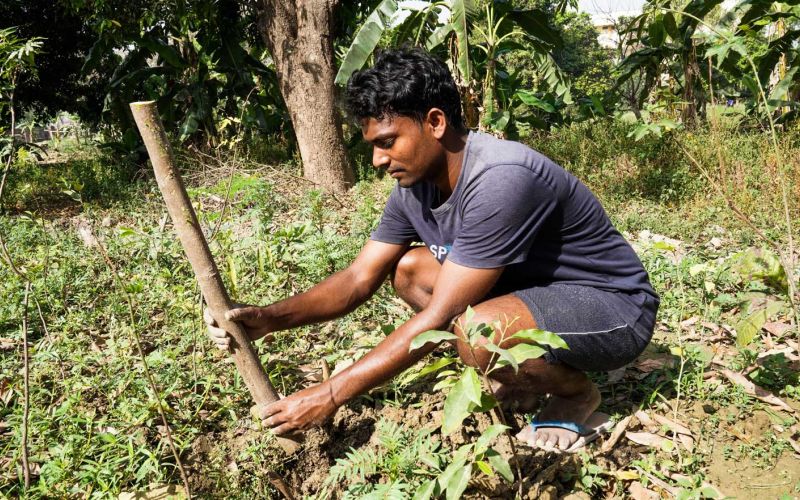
(472, 392)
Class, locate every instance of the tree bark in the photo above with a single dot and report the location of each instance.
(194, 244)
(298, 34)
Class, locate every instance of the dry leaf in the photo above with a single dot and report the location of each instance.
(657, 362)
(672, 425)
(615, 376)
(639, 492)
(689, 322)
(7, 344)
(645, 420)
(686, 441)
(757, 391)
(619, 430)
(647, 439)
(776, 328)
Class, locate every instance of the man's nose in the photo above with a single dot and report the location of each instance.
(379, 158)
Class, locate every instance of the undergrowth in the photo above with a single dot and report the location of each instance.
(94, 426)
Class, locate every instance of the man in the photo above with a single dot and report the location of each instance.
(506, 231)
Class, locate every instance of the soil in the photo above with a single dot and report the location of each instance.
(547, 475)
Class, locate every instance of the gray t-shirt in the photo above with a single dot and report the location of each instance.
(514, 207)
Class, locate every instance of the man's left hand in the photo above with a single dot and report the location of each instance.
(300, 411)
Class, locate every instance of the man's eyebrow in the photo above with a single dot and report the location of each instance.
(382, 137)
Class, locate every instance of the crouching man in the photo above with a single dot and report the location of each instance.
(505, 230)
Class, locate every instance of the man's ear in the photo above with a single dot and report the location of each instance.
(436, 121)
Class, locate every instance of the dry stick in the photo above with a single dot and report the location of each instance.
(26, 471)
(151, 381)
(205, 269)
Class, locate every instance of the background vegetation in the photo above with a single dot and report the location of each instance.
(686, 131)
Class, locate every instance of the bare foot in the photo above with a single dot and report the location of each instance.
(516, 398)
(574, 409)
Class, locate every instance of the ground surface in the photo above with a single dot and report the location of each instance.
(692, 424)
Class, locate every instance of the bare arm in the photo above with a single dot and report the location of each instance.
(456, 287)
(332, 298)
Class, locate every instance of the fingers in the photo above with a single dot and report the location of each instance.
(243, 313)
(208, 318)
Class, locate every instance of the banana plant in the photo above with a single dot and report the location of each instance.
(473, 39)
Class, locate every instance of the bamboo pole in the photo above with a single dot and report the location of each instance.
(205, 269)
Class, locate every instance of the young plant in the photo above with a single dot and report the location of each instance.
(472, 393)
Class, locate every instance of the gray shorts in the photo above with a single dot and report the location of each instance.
(604, 330)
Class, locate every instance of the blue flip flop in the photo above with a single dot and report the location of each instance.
(597, 424)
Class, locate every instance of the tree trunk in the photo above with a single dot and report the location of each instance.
(298, 34)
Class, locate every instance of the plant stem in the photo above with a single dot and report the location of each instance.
(26, 471)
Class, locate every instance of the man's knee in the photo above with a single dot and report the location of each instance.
(496, 320)
(408, 270)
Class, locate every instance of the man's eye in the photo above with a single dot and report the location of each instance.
(387, 144)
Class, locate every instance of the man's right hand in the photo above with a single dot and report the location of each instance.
(252, 318)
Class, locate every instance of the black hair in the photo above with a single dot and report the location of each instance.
(404, 82)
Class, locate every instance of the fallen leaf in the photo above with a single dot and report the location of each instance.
(756, 391)
(645, 420)
(619, 430)
(639, 492)
(615, 376)
(787, 352)
(686, 441)
(658, 362)
(646, 439)
(689, 322)
(776, 328)
(672, 425)
(7, 344)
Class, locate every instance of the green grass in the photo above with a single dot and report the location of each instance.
(94, 426)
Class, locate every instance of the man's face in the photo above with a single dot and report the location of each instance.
(408, 150)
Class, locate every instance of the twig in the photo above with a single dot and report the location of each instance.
(26, 471)
(280, 485)
(148, 374)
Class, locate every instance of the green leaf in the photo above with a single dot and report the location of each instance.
(459, 460)
(530, 99)
(541, 337)
(456, 407)
(781, 89)
(670, 26)
(750, 325)
(471, 385)
(462, 12)
(534, 22)
(657, 31)
(425, 490)
(485, 467)
(485, 439)
(458, 482)
(500, 464)
(366, 40)
(468, 315)
(166, 52)
(430, 336)
(506, 359)
(524, 352)
(438, 36)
